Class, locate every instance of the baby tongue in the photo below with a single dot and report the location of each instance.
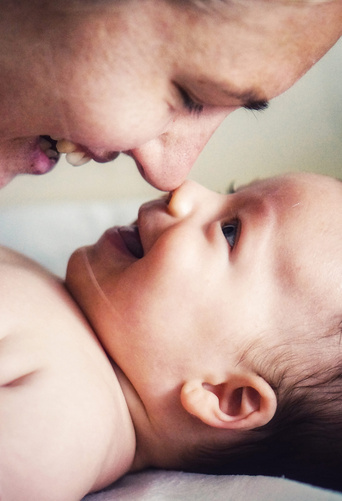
(130, 235)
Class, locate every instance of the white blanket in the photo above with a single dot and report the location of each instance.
(49, 233)
(177, 486)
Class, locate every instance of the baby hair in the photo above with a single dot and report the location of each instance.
(303, 441)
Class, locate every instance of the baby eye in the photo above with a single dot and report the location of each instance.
(230, 232)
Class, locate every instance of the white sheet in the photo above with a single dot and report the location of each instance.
(49, 233)
(178, 486)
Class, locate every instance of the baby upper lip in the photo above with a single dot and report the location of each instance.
(131, 237)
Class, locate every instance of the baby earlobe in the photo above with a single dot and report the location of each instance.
(242, 402)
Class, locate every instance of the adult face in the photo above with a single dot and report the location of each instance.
(151, 79)
(218, 275)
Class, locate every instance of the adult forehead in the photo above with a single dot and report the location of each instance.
(263, 17)
(223, 8)
(256, 47)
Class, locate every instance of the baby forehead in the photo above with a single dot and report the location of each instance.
(308, 239)
(297, 189)
(308, 208)
(301, 212)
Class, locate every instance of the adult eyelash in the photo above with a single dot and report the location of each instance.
(189, 103)
(256, 105)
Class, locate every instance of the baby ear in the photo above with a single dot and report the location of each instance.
(242, 402)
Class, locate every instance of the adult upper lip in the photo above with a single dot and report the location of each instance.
(78, 154)
(108, 156)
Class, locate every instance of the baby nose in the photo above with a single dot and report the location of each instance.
(184, 199)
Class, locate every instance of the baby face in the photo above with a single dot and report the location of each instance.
(157, 93)
(205, 275)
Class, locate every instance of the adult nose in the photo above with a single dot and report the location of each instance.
(166, 160)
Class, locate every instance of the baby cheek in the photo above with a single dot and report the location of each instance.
(75, 275)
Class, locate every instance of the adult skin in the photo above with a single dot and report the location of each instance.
(150, 78)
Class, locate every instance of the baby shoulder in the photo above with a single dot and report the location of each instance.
(58, 392)
(17, 317)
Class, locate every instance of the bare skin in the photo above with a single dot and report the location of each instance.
(174, 311)
(93, 77)
(215, 274)
(62, 410)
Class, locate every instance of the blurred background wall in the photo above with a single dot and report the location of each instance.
(302, 130)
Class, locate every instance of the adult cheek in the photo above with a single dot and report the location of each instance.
(166, 160)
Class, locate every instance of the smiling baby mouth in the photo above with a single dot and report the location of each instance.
(131, 238)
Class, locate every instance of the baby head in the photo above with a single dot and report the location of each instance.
(222, 316)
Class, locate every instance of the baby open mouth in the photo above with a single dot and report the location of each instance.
(131, 237)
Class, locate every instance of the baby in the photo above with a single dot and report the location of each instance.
(205, 338)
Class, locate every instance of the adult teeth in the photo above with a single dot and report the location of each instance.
(44, 144)
(65, 146)
(47, 147)
(51, 153)
(74, 156)
(77, 158)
